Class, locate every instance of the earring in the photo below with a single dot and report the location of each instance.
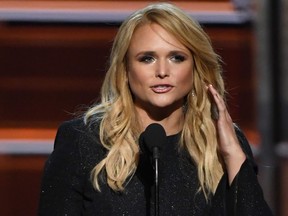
(193, 93)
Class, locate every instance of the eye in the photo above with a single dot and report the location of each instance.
(178, 58)
(146, 59)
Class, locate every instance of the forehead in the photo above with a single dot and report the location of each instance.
(153, 36)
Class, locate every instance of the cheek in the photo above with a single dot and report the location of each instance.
(131, 84)
(137, 76)
(135, 82)
(186, 79)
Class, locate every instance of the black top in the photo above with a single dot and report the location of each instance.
(67, 189)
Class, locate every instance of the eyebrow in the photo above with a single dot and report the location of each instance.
(145, 53)
(152, 53)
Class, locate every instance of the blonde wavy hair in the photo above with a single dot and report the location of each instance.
(119, 127)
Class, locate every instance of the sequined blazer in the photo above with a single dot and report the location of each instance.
(67, 190)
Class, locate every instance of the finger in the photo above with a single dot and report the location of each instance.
(217, 99)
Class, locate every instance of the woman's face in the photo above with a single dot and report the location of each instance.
(160, 68)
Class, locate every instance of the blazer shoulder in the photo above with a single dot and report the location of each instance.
(73, 124)
(74, 137)
(77, 131)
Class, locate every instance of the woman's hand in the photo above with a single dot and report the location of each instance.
(228, 142)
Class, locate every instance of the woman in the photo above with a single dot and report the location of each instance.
(162, 70)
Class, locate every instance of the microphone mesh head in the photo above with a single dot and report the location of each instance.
(154, 136)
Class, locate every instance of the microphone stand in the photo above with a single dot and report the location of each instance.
(156, 178)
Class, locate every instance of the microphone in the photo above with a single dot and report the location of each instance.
(154, 137)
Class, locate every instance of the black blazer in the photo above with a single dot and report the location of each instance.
(67, 189)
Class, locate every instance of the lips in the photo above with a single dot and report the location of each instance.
(161, 88)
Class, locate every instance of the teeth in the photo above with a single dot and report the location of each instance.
(161, 87)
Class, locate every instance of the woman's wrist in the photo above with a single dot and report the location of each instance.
(233, 163)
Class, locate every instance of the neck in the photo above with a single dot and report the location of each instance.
(172, 122)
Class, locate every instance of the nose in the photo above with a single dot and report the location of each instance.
(162, 69)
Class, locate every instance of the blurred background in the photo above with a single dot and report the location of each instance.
(53, 57)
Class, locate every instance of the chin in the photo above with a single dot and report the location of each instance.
(167, 105)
